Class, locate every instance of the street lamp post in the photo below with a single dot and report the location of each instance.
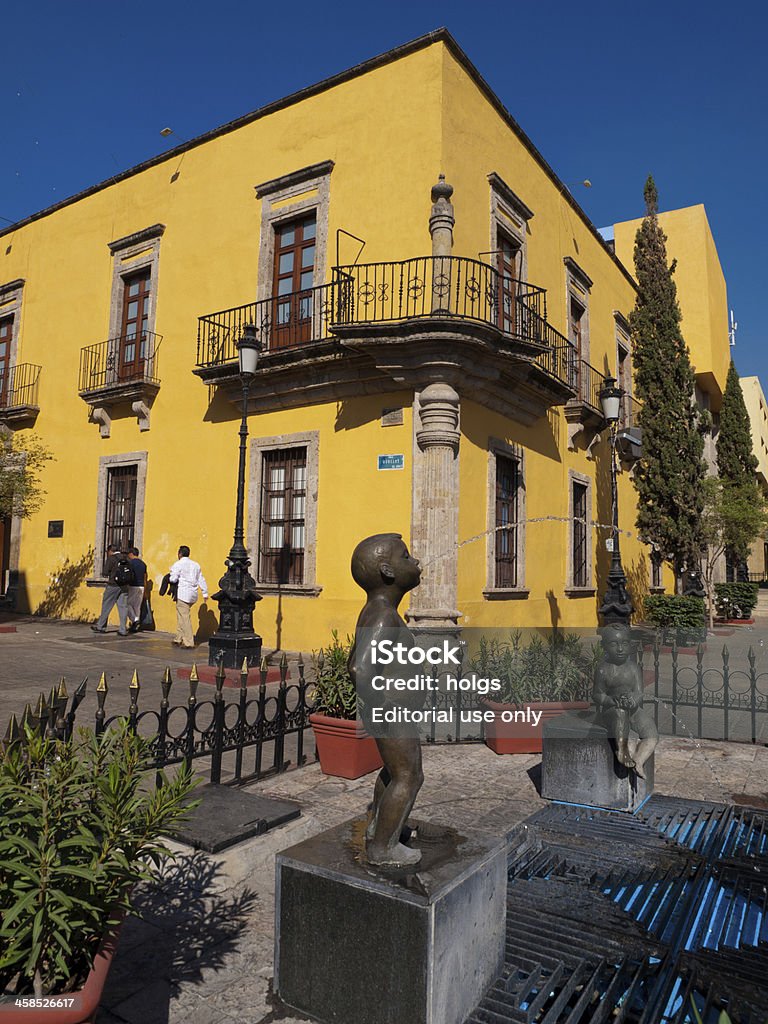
(235, 639)
(617, 604)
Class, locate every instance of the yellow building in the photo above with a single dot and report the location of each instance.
(432, 353)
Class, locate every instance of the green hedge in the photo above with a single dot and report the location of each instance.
(675, 611)
(742, 594)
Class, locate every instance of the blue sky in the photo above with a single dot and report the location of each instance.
(608, 91)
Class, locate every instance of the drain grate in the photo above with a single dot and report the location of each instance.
(652, 919)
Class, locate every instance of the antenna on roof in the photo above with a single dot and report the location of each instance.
(732, 330)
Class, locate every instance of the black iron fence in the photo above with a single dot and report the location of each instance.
(249, 738)
(705, 696)
(120, 360)
(18, 386)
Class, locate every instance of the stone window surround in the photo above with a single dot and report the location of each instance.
(16, 521)
(10, 305)
(283, 199)
(130, 254)
(493, 593)
(570, 589)
(310, 440)
(577, 286)
(511, 214)
(107, 462)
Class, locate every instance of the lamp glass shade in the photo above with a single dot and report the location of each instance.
(248, 351)
(610, 400)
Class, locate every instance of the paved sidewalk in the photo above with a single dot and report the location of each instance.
(204, 953)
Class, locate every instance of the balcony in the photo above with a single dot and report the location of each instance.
(380, 326)
(18, 393)
(583, 412)
(120, 371)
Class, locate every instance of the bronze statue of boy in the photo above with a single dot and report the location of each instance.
(383, 567)
(618, 697)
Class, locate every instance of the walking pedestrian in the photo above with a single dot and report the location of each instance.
(118, 573)
(189, 577)
(136, 589)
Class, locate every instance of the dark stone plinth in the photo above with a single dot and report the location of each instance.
(578, 766)
(231, 649)
(227, 816)
(358, 945)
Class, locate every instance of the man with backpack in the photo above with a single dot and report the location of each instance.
(119, 575)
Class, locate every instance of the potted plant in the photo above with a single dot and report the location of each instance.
(78, 830)
(546, 676)
(344, 748)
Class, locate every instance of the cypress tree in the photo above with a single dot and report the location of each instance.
(736, 462)
(670, 474)
(736, 466)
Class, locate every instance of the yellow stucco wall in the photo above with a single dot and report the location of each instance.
(390, 131)
(701, 291)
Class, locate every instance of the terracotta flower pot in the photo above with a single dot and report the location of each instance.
(521, 738)
(80, 1006)
(344, 747)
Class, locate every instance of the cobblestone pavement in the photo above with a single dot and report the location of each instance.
(204, 953)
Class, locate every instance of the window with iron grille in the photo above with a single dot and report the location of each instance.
(283, 516)
(580, 549)
(120, 513)
(507, 522)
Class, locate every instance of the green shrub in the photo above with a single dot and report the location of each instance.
(675, 611)
(731, 595)
(558, 668)
(334, 691)
(77, 832)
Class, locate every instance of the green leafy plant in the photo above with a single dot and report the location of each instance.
(559, 667)
(675, 611)
(334, 692)
(78, 830)
(730, 596)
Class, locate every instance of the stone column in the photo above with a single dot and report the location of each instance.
(441, 223)
(435, 531)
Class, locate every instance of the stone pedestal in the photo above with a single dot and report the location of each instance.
(578, 766)
(357, 944)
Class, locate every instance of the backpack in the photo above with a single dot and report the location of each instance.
(123, 574)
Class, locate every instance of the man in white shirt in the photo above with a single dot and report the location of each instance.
(189, 577)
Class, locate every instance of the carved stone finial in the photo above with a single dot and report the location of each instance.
(442, 190)
(439, 415)
(441, 219)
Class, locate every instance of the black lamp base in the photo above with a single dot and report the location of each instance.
(229, 650)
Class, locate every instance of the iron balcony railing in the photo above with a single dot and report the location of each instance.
(589, 382)
(18, 386)
(629, 414)
(126, 359)
(427, 287)
(444, 286)
(283, 322)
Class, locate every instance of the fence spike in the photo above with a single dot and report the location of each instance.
(102, 687)
(751, 656)
(134, 683)
(283, 668)
(166, 682)
(263, 664)
(726, 654)
(194, 679)
(263, 672)
(220, 676)
(13, 732)
(41, 709)
(62, 691)
(244, 667)
(700, 653)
